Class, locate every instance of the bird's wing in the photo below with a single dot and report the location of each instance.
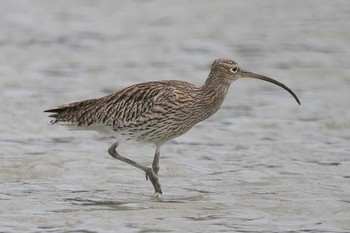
(117, 110)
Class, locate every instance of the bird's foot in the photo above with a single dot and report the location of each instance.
(154, 180)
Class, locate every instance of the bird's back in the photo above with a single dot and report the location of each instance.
(152, 111)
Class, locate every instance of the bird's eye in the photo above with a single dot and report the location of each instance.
(234, 69)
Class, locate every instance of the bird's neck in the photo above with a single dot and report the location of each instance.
(211, 95)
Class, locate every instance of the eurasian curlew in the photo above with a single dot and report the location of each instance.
(155, 112)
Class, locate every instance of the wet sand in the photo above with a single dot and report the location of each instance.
(261, 164)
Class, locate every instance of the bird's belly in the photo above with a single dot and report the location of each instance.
(102, 129)
(155, 133)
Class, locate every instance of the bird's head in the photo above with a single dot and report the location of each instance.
(226, 71)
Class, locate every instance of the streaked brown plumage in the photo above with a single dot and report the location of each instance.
(155, 112)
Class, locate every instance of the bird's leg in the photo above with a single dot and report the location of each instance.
(149, 171)
(155, 164)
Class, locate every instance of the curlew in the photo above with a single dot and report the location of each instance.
(155, 112)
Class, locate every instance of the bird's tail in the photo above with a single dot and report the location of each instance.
(78, 113)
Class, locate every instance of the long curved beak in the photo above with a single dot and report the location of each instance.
(247, 74)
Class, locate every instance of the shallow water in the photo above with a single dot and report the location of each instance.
(261, 164)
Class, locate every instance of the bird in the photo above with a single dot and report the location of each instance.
(155, 112)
